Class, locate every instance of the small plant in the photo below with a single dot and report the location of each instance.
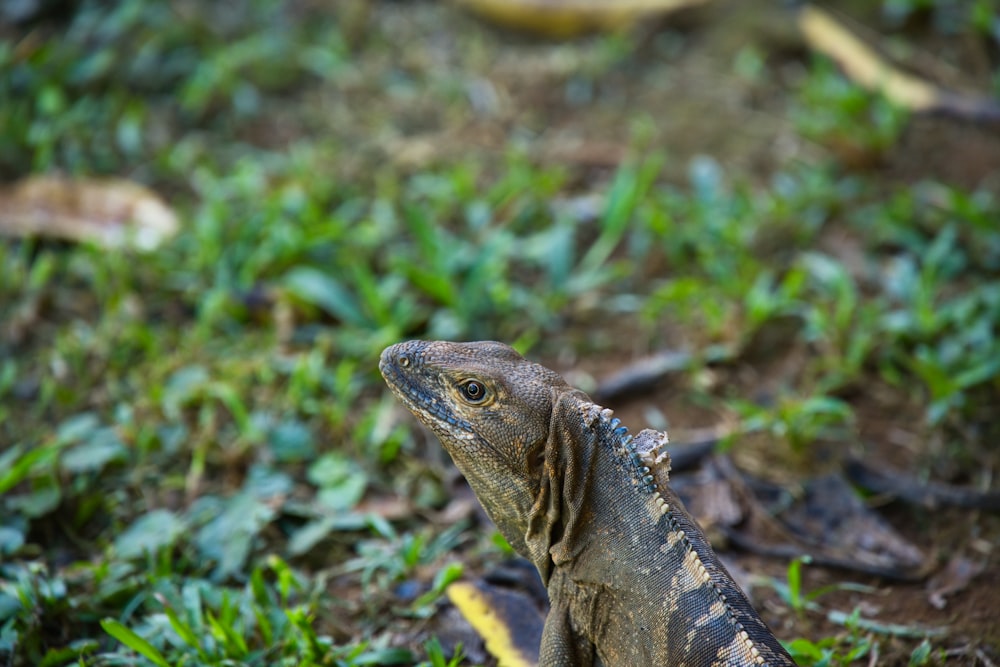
(436, 656)
(858, 126)
(798, 420)
(796, 598)
(830, 651)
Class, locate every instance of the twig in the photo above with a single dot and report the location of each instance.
(891, 629)
(863, 65)
(925, 494)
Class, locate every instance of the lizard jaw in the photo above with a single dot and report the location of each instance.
(393, 365)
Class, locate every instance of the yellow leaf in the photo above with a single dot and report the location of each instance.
(568, 18)
(506, 620)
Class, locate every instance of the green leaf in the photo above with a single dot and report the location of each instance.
(984, 371)
(11, 540)
(384, 656)
(291, 441)
(501, 543)
(228, 537)
(805, 650)
(330, 469)
(17, 467)
(795, 583)
(183, 630)
(228, 395)
(324, 291)
(182, 386)
(152, 532)
(77, 427)
(234, 642)
(344, 495)
(42, 500)
(9, 606)
(101, 447)
(437, 285)
(342, 482)
(309, 535)
(264, 482)
(57, 657)
(629, 184)
(921, 655)
(445, 576)
(134, 641)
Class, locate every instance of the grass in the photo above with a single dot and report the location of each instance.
(195, 442)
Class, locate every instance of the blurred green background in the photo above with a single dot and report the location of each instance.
(198, 462)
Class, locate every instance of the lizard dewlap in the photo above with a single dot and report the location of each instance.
(631, 578)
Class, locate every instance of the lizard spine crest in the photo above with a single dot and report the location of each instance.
(644, 466)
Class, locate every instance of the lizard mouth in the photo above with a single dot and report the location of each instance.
(430, 409)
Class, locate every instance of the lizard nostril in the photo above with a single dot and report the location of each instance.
(403, 360)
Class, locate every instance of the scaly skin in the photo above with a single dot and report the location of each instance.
(631, 578)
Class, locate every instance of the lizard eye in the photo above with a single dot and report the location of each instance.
(473, 391)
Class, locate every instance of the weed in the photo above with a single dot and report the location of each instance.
(856, 125)
(436, 657)
(798, 420)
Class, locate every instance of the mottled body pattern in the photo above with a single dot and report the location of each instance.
(631, 578)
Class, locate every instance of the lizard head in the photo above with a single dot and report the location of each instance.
(481, 399)
(491, 409)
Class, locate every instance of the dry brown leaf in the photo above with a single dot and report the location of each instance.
(392, 508)
(568, 18)
(112, 213)
(956, 576)
(458, 509)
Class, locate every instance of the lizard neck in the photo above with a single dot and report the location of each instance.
(584, 445)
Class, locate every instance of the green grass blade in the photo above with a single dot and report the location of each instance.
(134, 641)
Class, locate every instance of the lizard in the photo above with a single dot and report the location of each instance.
(631, 578)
